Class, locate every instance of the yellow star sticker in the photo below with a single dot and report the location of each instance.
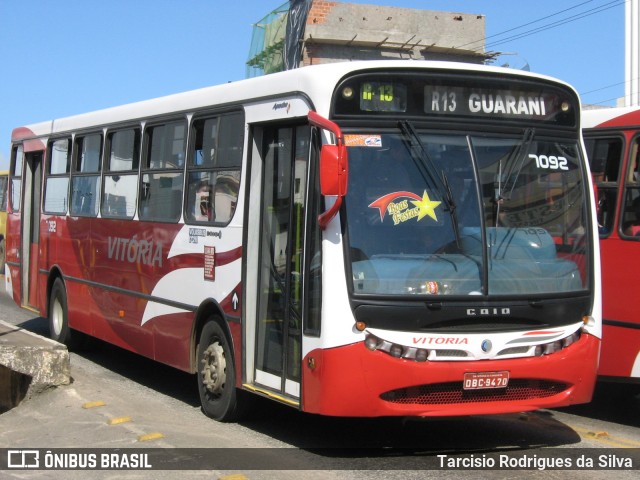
(426, 206)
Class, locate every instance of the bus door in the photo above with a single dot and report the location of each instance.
(30, 228)
(4, 183)
(279, 236)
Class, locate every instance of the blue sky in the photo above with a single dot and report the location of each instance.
(64, 57)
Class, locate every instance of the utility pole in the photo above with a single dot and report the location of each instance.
(632, 53)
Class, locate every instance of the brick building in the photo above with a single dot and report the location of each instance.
(340, 31)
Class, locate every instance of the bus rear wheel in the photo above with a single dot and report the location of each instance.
(59, 329)
(58, 314)
(2, 257)
(216, 374)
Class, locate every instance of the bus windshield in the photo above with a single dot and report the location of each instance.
(464, 214)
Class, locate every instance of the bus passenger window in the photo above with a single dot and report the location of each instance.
(166, 146)
(634, 164)
(206, 142)
(161, 199)
(17, 154)
(605, 157)
(212, 196)
(631, 213)
(121, 181)
(606, 209)
(199, 203)
(57, 178)
(214, 169)
(85, 180)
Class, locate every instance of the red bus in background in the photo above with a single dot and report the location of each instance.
(612, 140)
(4, 182)
(391, 238)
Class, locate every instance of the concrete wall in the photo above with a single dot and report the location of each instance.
(29, 364)
(339, 31)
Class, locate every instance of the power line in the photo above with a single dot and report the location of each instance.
(558, 23)
(602, 102)
(572, 18)
(603, 88)
(583, 94)
(483, 40)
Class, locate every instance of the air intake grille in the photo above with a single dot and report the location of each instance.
(446, 393)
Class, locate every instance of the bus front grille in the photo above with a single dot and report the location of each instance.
(448, 393)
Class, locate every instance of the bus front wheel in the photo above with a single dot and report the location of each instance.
(216, 374)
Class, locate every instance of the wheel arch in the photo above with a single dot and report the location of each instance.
(209, 310)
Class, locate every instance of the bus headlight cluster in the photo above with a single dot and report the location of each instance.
(395, 350)
(552, 347)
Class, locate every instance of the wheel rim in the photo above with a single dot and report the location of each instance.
(57, 317)
(214, 367)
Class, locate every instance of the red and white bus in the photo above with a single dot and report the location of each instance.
(612, 139)
(356, 239)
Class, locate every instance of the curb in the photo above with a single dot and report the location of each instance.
(29, 364)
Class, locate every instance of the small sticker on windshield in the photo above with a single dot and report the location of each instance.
(363, 140)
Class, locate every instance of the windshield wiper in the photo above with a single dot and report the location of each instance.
(517, 157)
(439, 182)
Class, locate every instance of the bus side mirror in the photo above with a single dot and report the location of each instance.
(333, 170)
(333, 167)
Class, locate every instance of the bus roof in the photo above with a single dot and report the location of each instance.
(318, 78)
(611, 117)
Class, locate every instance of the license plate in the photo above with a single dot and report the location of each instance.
(482, 380)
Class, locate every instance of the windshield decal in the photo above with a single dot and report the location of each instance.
(397, 204)
(363, 140)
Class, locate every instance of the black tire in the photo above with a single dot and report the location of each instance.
(216, 375)
(58, 314)
(59, 329)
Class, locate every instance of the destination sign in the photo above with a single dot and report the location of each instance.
(469, 101)
(383, 97)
